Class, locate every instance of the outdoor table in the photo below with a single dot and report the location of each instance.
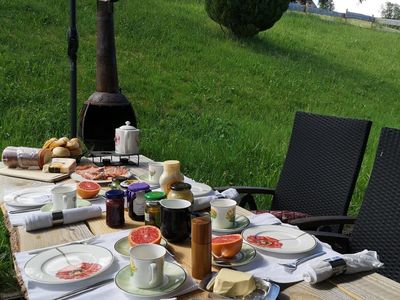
(357, 286)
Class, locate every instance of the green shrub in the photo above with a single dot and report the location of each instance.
(246, 18)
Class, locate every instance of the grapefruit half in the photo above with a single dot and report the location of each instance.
(87, 189)
(226, 246)
(146, 234)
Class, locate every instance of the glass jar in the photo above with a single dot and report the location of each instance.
(181, 190)
(171, 174)
(116, 183)
(115, 208)
(152, 212)
(136, 200)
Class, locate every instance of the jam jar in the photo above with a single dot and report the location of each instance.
(115, 208)
(136, 200)
(181, 190)
(152, 212)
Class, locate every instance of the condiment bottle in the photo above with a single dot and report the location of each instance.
(152, 212)
(136, 200)
(170, 175)
(115, 208)
(181, 190)
(201, 247)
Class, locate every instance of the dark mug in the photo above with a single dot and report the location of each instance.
(175, 219)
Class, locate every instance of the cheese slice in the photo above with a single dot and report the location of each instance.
(60, 165)
(232, 283)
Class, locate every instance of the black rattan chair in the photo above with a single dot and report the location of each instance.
(377, 226)
(321, 166)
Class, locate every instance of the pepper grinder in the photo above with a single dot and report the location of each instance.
(201, 247)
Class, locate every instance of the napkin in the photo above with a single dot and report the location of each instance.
(40, 220)
(201, 203)
(39, 291)
(352, 263)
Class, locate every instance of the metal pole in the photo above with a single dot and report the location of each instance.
(73, 45)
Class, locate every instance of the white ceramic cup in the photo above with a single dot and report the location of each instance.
(223, 213)
(63, 197)
(147, 265)
(156, 168)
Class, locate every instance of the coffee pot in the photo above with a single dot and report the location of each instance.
(126, 139)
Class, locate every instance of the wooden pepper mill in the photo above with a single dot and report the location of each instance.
(201, 247)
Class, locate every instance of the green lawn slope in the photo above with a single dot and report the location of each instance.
(223, 107)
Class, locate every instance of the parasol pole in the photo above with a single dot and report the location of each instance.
(73, 45)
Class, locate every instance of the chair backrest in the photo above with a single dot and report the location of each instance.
(378, 223)
(321, 165)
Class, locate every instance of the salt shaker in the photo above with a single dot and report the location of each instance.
(201, 247)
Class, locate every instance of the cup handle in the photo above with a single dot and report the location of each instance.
(153, 269)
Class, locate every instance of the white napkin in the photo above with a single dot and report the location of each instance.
(201, 203)
(264, 219)
(40, 220)
(38, 291)
(358, 262)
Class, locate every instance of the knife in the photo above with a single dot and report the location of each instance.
(84, 289)
(20, 211)
(84, 241)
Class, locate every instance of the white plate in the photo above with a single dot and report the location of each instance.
(31, 197)
(291, 240)
(79, 203)
(241, 222)
(174, 277)
(199, 189)
(44, 266)
(79, 178)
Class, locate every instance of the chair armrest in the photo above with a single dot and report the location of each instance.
(247, 190)
(339, 242)
(312, 223)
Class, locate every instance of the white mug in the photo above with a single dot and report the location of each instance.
(127, 139)
(156, 168)
(147, 265)
(63, 197)
(223, 213)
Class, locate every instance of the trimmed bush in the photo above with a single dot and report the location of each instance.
(245, 18)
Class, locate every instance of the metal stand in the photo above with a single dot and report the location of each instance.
(107, 158)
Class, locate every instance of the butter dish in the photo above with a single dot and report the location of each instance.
(265, 290)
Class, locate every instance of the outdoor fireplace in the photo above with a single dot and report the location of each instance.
(107, 108)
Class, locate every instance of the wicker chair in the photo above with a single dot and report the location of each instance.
(320, 169)
(377, 226)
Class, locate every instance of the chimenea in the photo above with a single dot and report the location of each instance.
(107, 108)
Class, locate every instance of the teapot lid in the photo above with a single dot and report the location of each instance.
(127, 126)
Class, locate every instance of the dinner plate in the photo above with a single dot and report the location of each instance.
(199, 189)
(30, 197)
(79, 203)
(122, 246)
(174, 277)
(279, 239)
(241, 222)
(69, 263)
(246, 255)
(79, 178)
(127, 182)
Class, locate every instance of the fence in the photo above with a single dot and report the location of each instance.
(347, 15)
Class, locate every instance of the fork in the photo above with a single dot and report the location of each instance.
(293, 265)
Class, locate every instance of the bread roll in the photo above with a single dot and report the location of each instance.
(72, 144)
(63, 141)
(61, 152)
(81, 144)
(48, 143)
(76, 152)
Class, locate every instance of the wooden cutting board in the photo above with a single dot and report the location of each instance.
(32, 174)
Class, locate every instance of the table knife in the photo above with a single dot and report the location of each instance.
(20, 211)
(84, 289)
(84, 241)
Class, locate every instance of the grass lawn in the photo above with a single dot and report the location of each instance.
(221, 106)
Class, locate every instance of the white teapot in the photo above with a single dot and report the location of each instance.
(127, 139)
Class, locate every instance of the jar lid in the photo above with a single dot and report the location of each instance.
(180, 186)
(115, 194)
(153, 196)
(127, 126)
(201, 230)
(138, 186)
